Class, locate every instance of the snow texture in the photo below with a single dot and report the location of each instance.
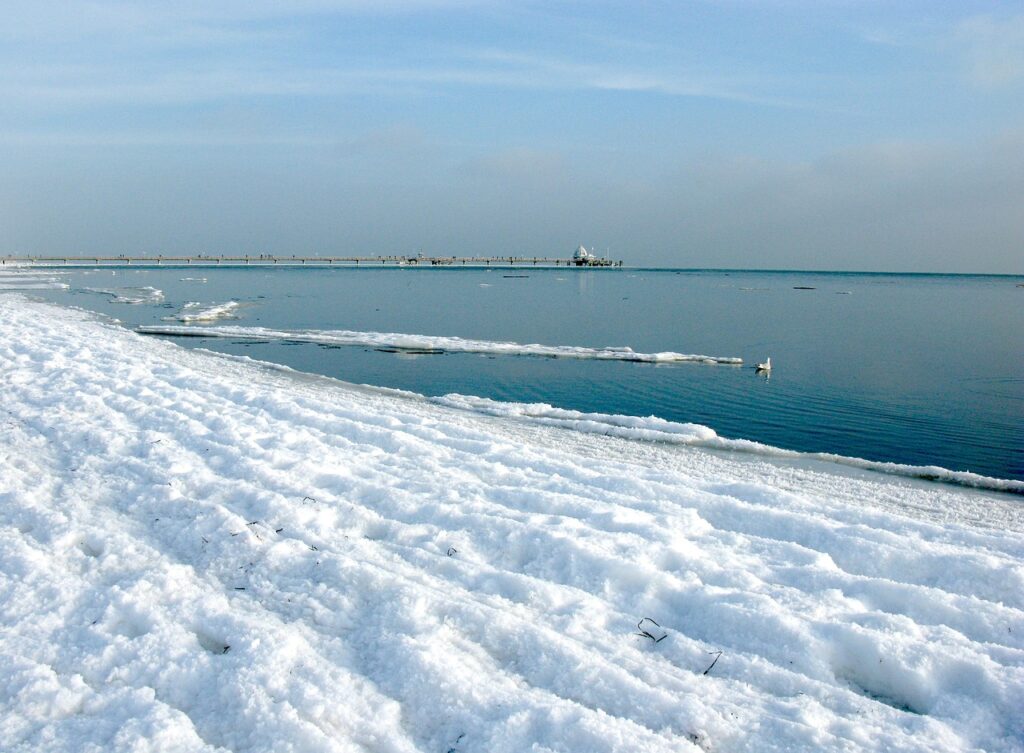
(432, 344)
(205, 553)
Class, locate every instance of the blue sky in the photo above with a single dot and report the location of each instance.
(835, 135)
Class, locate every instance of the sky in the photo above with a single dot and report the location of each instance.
(780, 134)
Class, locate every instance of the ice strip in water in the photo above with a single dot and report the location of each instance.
(400, 341)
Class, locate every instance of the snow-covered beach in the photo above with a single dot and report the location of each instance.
(200, 552)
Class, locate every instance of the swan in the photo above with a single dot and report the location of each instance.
(766, 366)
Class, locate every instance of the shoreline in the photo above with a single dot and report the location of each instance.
(201, 324)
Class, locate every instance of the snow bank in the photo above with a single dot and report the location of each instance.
(202, 553)
(193, 311)
(657, 429)
(428, 343)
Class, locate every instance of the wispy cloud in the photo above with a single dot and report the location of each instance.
(65, 54)
(544, 71)
(156, 83)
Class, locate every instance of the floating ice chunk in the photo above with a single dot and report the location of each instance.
(144, 294)
(400, 341)
(193, 311)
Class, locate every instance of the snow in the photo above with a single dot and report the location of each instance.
(401, 341)
(206, 553)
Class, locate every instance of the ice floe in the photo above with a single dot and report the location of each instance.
(193, 311)
(205, 553)
(30, 280)
(429, 343)
(137, 295)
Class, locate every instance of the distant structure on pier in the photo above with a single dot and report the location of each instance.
(584, 258)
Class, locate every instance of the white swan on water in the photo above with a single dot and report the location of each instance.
(766, 366)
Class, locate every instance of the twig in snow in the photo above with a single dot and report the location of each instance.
(452, 550)
(718, 655)
(647, 634)
(309, 499)
(457, 740)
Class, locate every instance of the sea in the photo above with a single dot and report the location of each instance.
(914, 369)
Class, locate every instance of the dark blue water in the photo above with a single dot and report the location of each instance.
(919, 369)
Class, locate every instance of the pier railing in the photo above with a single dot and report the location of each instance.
(272, 260)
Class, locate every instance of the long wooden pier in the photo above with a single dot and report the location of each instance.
(267, 260)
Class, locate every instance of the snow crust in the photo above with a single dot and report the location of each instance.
(204, 553)
(430, 343)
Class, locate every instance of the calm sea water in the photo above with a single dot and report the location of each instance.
(919, 369)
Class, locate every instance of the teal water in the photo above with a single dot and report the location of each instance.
(918, 369)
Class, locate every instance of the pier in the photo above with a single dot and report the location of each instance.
(267, 260)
